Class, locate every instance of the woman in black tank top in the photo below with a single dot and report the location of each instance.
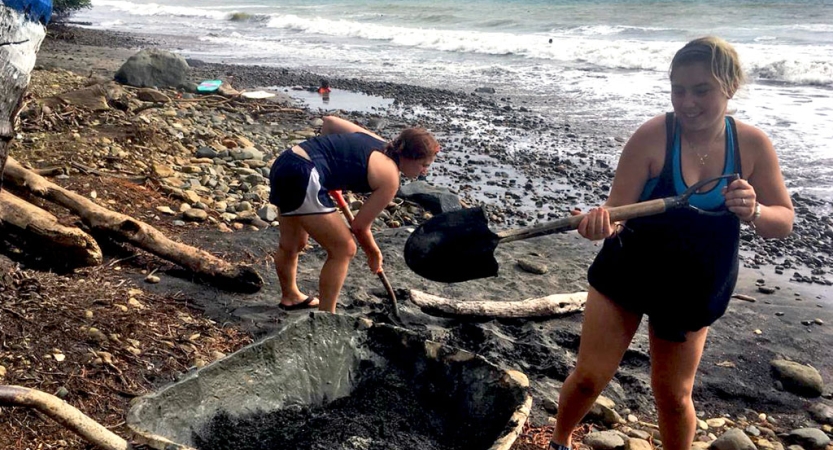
(697, 255)
(344, 156)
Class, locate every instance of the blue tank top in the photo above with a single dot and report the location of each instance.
(342, 159)
(712, 199)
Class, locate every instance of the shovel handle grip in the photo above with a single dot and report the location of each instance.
(342, 205)
(617, 213)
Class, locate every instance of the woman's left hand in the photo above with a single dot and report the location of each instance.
(741, 199)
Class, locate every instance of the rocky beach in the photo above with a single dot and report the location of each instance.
(194, 166)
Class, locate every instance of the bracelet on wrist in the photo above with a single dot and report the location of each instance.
(756, 213)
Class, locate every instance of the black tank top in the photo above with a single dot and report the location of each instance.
(680, 266)
(342, 159)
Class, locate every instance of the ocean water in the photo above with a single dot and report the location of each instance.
(600, 61)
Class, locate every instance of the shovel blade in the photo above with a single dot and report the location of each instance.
(452, 247)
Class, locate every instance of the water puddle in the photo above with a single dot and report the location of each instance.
(337, 99)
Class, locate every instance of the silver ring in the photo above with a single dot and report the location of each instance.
(743, 201)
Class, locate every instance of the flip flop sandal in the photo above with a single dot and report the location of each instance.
(302, 305)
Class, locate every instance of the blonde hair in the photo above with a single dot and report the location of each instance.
(721, 58)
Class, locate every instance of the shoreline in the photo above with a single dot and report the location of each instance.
(720, 390)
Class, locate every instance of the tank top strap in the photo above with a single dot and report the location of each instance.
(735, 145)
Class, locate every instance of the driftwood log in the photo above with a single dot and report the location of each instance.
(63, 413)
(549, 306)
(71, 246)
(123, 228)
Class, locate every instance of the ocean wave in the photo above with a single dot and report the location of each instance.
(247, 17)
(154, 9)
(814, 73)
(605, 30)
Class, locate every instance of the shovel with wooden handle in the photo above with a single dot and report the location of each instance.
(459, 246)
(345, 209)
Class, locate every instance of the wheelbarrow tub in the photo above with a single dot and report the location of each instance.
(322, 358)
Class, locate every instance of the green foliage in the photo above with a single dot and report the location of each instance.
(62, 9)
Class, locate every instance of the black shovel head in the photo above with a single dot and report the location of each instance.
(453, 246)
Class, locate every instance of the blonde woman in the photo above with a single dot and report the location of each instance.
(695, 252)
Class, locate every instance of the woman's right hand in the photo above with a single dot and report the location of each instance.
(596, 224)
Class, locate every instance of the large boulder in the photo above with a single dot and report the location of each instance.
(154, 68)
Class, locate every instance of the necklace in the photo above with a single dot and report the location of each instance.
(704, 156)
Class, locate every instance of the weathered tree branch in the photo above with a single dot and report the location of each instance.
(63, 413)
(549, 306)
(71, 246)
(242, 278)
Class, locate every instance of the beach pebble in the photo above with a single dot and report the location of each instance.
(535, 267)
(821, 413)
(733, 439)
(604, 440)
(717, 422)
(766, 289)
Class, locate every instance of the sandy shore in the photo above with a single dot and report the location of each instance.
(543, 349)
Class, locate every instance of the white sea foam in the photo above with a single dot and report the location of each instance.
(155, 9)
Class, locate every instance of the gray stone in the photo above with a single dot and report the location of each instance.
(822, 413)
(734, 439)
(604, 440)
(809, 438)
(153, 68)
(268, 213)
(434, 199)
(195, 215)
(531, 266)
(798, 378)
(206, 152)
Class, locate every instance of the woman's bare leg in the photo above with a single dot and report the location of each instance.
(673, 367)
(330, 230)
(293, 239)
(605, 335)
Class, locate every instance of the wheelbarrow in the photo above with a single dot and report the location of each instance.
(321, 361)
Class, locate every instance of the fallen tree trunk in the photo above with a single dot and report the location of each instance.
(63, 413)
(68, 246)
(241, 278)
(549, 306)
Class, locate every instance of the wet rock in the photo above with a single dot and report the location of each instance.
(797, 378)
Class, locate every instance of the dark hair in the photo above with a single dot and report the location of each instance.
(325, 83)
(721, 58)
(412, 143)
